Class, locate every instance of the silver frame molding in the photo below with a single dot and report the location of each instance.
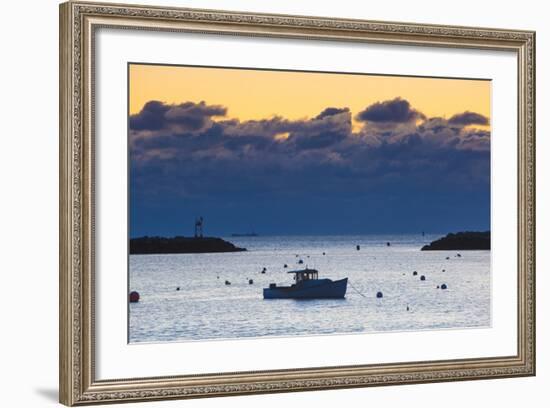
(78, 22)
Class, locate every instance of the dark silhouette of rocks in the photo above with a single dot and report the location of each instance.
(468, 240)
(180, 245)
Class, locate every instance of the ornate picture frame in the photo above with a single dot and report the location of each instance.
(79, 22)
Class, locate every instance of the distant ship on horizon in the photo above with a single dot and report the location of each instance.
(244, 234)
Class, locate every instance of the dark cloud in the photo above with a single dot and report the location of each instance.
(151, 116)
(396, 110)
(191, 153)
(468, 118)
(156, 115)
(186, 132)
(329, 128)
(330, 112)
(193, 116)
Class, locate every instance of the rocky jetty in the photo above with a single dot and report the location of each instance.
(180, 245)
(468, 240)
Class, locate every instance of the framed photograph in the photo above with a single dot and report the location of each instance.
(256, 203)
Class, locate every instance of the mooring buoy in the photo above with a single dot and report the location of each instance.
(134, 297)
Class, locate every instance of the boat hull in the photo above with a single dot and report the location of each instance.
(314, 289)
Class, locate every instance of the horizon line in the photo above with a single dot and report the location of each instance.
(310, 235)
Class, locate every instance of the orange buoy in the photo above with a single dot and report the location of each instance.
(134, 297)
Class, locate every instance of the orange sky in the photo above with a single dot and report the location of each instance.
(255, 94)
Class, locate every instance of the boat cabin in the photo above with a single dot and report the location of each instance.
(305, 275)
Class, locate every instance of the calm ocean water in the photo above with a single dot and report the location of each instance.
(205, 308)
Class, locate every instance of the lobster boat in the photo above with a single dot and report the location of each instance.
(308, 286)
